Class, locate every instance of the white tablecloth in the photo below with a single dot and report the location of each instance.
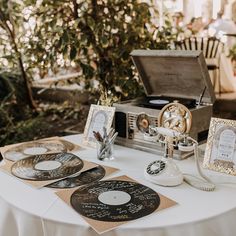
(25, 211)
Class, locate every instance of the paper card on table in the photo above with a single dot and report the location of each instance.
(109, 170)
(7, 167)
(220, 154)
(106, 204)
(98, 118)
(86, 177)
(19, 151)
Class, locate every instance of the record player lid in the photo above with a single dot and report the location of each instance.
(174, 73)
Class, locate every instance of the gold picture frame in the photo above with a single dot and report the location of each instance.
(220, 154)
(98, 117)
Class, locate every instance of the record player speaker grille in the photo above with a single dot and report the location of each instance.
(132, 120)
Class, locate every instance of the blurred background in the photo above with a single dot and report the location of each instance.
(58, 57)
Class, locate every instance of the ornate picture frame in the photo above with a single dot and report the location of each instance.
(98, 117)
(220, 154)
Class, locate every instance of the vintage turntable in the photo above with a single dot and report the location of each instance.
(167, 76)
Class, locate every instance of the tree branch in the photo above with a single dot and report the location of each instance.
(19, 58)
(75, 9)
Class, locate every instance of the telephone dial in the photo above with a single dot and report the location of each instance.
(174, 123)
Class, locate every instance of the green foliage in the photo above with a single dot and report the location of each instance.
(13, 99)
(12, 42)
(51, 121)
(232, 53)
(96, 37)
(21, 131)
(13, 107)
(11, 32)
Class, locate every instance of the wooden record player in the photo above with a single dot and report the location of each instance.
(167, 76)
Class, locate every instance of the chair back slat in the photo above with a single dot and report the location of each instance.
(207, 49)
(218, 49)
(195, 43)
(190, 43)
(211, 47)
(185, 45)
(202, 43)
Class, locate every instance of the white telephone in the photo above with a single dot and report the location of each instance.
(164, 172)
(174, 121)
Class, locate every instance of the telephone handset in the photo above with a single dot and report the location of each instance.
(174, 125)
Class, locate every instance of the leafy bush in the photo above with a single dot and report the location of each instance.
(232, 53)
(13, 105)
(96, 37)
(12, 44)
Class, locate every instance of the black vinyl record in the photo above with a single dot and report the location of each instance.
(37, 148)
(47, 166)
(115, 200)
(86, 177)
(158, 102)
(67, 145)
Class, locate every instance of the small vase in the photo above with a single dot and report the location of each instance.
(105, 151)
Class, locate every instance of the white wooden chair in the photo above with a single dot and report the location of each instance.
(212, 49)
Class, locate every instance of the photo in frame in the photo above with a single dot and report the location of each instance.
(220, 154)
(98, 117)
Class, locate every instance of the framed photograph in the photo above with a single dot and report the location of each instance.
(98, 117)
(220, 154)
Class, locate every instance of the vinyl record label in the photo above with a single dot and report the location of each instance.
(115, 200)
(159, 101)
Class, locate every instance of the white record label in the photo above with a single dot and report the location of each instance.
(114, 197)
(159, 102)
(47, 165)
(14, 156)
(35, 151)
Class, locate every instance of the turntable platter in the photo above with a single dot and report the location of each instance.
(160, 102)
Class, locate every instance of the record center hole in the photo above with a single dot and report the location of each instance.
(114, 197)
(47, 165)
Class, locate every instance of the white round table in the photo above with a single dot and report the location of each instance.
(28, 211)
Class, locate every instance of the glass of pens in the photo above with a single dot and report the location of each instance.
(105, 144)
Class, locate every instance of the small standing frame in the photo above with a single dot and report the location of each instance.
(220, 154)
(98, 117)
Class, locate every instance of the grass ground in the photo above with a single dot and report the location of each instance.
(52, 120)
